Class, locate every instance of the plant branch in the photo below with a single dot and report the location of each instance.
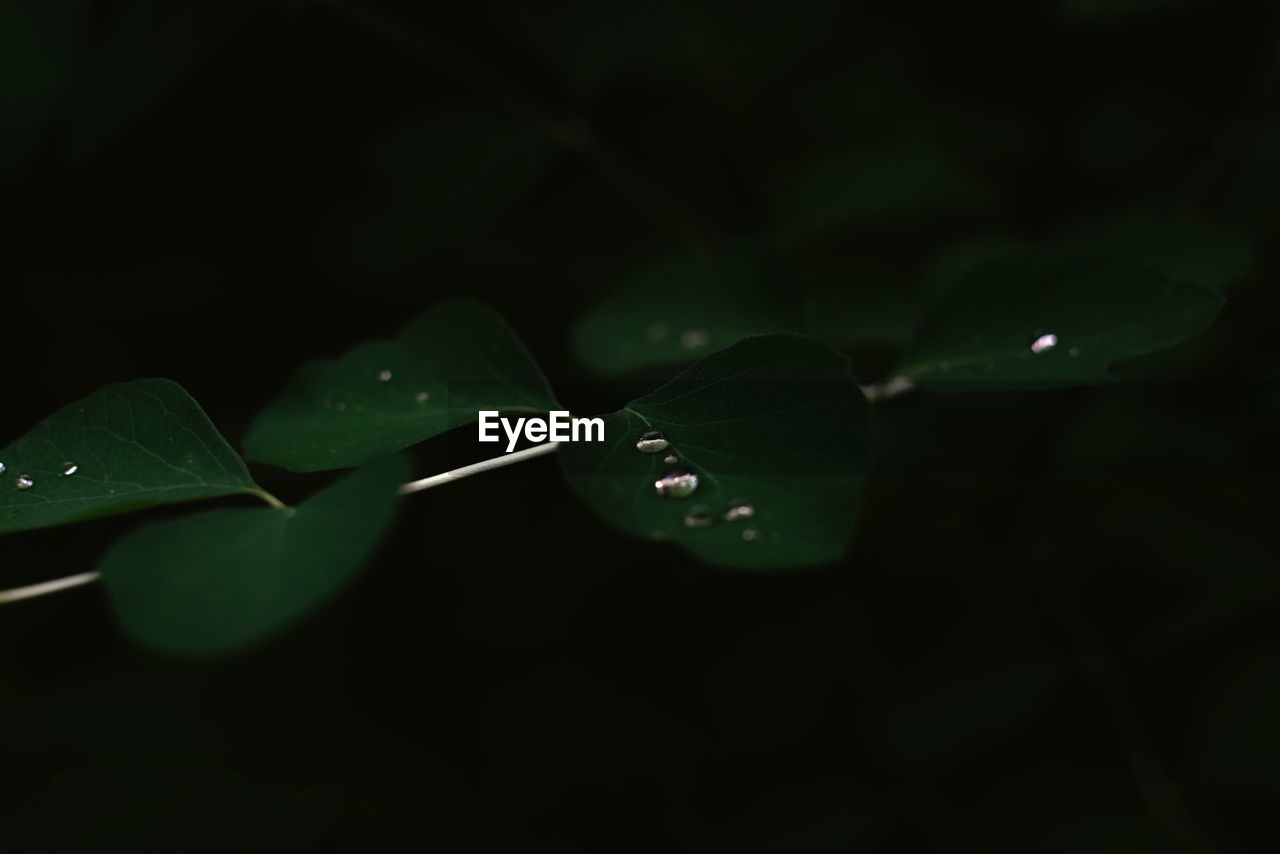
(892, 387)
(477, 468)
(45, 587)
(571, 132)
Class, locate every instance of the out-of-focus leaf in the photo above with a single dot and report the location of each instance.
(125, 447)
(222, 580)
(1051, 320)
(912, 180)
(680, 308)
(449, 363)
(1185, 250)
(774, 423)
(956, 261)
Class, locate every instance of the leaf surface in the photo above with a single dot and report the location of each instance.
(383, 396)
(221, 580)
(125, 447)
(774, 422)
(1051, 320)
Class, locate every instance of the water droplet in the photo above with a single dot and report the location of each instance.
(750, 534)
(69, 469)
(698, 517)
(652, 442)
(2, 468)
(422, 397)
(677, 484)
(739, 510)
(1044, 342)
(384, 376)
(25, 482)
(668, 459)
(693, 338)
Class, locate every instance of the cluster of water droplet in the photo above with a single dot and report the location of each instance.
(682, 483)
(24, 482)
(385, 375)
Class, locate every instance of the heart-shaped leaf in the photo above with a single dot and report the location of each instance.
(1051, 320)
(752, 457)
(1184, 249)
(124, 447)
(910, 180)
(224, 579)
(383, 396)
(678, 309)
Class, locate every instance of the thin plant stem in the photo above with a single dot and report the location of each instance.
(44, 588)
(477, 468)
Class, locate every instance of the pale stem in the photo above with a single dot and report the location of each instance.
(891, 387)
(46, 587)
(17, 594)
(477, 468)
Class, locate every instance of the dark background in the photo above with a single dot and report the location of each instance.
(1055, 630)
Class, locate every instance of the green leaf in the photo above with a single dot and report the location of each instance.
(133, 445)
(383, 396)
(1182, 248)
(907, 181)
(675, 310)
(1100, 310)
(775, 422)
(222, 580)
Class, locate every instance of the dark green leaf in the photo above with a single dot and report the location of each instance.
(906, 181)
(678, 309)
(132, 445)
(980, 335)
(449, 363)
(774, 422)
(1184, 249)
(224, 579)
